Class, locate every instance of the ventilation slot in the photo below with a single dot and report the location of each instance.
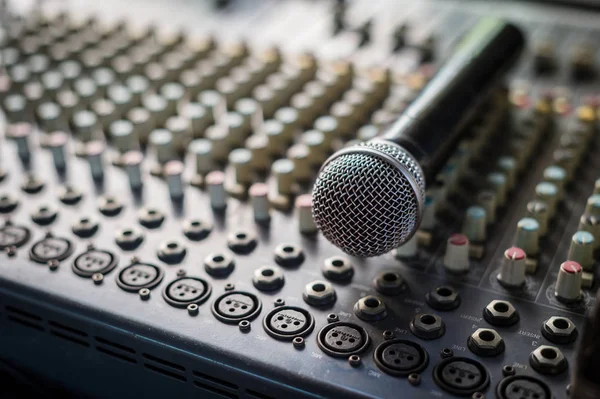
(115, 354)
(115, 345)
(25, 323)
(69, 338)
(214, 380)
(24, 318)
(162, 371)
(164, 362)
(215, 390)
(21, 312)
(257, 395)
(67, 329)
(115, 349)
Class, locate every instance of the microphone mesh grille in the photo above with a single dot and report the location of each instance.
(364, 204)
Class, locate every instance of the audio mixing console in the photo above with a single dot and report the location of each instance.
(157, 160)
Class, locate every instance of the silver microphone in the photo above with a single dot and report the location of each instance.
(368, 198)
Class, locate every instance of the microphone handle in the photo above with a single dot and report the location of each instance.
(433, 124)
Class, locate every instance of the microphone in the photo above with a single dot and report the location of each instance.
(368, 198)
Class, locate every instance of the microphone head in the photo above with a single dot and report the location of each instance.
(368, 198)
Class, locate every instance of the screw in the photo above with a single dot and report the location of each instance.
(192, 309)
(90, 246)
(97, 278)
(508, 370)
(387, 334)
(53, 264)
(135, 259)
(11, 251)
(180, 273)
(332, 317)
(354, 360)
(144, 294)
(569, 390)
(298, 342)
(279, 302)
(414, 379)
(244, 326)
(446, 352)
(229, 287)
(478, 395)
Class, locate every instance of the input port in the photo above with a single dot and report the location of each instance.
(185, 291)
(548, 360)
(139, 275)
(522, 386)
(443, 298)
(400, 357)
(500, 313)
(461, 376)
(559, 330)
(235, 306)
(13, 236)
(94, 261)
(343, 339)
(288, 322)
(50, 248)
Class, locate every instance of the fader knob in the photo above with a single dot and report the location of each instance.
(568, 283)
(582, 249)
(593, 205)
(548, 192)
(475, 224)
(590, 224)
(528, 230)
(538, 210)
(456, 259)
(512, 271)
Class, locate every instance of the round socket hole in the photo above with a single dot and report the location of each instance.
(338, 263)
(234, 306)
(139, 275)
(372, 303)
(94, 261)
(427, 319)
(287, 322)
(443, 291)
(501, 307)
(218, 258)
(461, 376)
(342, 339)
(400, 357)
(390, 277)
(560, 323)
(318, 287)
(267, 272)
(522, 386)
(487, 336)
(186, 291)
(549, 353)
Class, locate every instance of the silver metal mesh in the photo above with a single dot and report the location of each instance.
(366, 205)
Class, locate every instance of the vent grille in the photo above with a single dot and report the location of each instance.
(215, 390)
(257, 395)
(24, 318)
(165, 372)
(77, 334)
(164, 362)
(213, 380)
